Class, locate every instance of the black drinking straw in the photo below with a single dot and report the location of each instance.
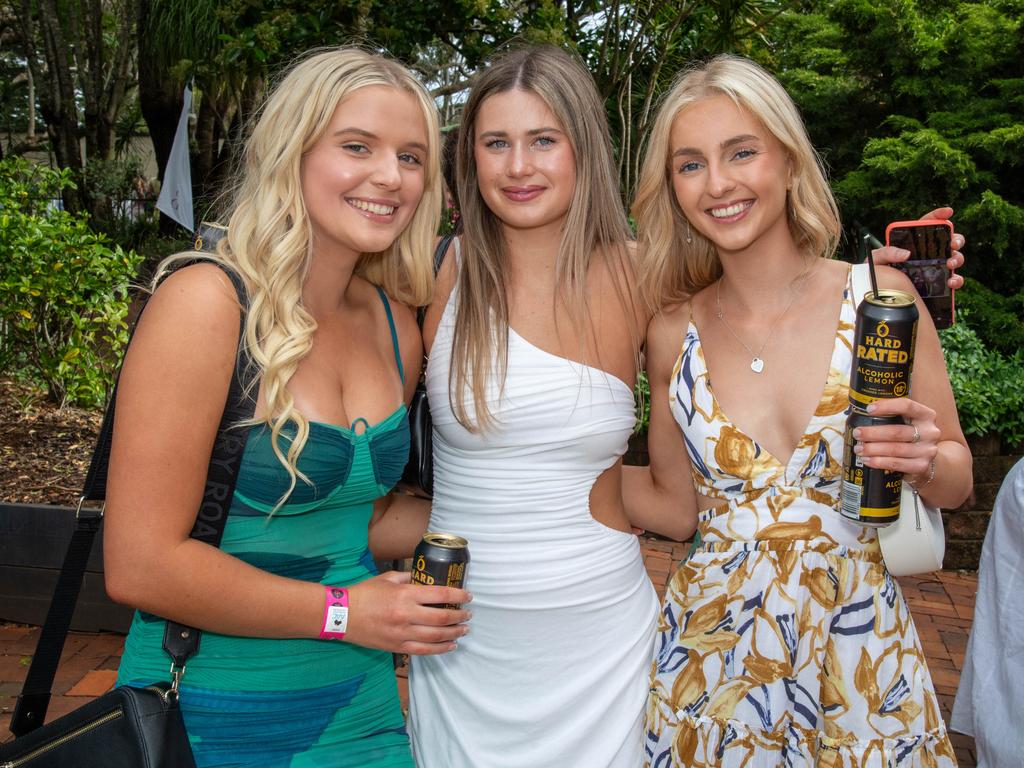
(874, 280)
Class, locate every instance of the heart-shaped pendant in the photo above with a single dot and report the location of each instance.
(757, 365)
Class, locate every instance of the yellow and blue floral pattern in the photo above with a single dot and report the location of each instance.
(783, 641)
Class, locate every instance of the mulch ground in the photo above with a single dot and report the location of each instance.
(44, 450)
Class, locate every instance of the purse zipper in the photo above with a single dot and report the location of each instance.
(113, 715)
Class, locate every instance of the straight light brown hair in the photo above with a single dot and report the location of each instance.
(595, 227)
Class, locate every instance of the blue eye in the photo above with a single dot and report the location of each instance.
(544, 141)
(408, 157)
(357, 148)
(496, 144)
(743, 154)
(689, 167)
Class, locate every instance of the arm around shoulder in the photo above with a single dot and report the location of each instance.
(661, 497)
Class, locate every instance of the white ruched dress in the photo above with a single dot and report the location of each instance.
(553, 672)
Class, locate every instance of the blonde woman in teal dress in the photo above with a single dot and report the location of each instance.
(332, 226)
(782, 640)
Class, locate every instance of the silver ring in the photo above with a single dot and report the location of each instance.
(917, 435)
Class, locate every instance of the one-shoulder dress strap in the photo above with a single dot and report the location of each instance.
(394, 331)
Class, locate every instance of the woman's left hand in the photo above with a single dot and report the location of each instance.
(891, 255)
(908, 448)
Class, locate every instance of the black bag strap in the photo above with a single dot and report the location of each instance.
(439, 252)
(180, 642)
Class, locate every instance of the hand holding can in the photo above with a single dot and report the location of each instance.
(441, 559)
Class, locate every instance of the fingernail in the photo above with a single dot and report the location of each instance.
(871, 408)
(465, 631)
(856, 434)
(858, 448)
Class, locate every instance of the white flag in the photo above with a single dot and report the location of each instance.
(176, 193)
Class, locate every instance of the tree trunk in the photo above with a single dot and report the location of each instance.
(57, 91)
(160, 99)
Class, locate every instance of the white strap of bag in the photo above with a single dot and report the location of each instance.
(916, 543)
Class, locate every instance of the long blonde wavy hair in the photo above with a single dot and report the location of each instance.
(671, 269)
(595, 227)
(269, 238)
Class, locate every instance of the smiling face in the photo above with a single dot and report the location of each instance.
(362, 180)
(525, 165)
(730, 176)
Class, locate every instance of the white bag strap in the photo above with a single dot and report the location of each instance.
(860, 280)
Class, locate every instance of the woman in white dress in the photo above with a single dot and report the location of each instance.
(533, 342)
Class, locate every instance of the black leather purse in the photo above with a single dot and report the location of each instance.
(128, 727)
(418, 476)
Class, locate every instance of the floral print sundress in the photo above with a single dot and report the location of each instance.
(783, 640)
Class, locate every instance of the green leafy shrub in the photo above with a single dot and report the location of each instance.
(642, 396)
(988, 385)
(997, 319)
(63, 290)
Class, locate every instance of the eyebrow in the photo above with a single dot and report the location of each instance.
(360, 132)
(532, 132)
(742, 138)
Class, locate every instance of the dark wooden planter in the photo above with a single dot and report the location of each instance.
(33, 541)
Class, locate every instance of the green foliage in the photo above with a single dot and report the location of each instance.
(988, 385)
(997, 319)
(642, 396)
(63, 290)
(915, 105)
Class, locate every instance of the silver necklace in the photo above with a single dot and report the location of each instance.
(757, 363)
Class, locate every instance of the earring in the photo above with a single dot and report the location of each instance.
(689, 237)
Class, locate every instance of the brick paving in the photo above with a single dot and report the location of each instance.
(942, 605)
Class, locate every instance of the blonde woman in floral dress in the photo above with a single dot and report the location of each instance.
(783, 640)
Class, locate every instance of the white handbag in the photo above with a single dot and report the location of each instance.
(916, 542)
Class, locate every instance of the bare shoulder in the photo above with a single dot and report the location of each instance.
(444, 284)
(199, 296)
(447, 272)
(666, 332)
(184, 347)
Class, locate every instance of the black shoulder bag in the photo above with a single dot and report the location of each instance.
(127, 727)
(418, 476)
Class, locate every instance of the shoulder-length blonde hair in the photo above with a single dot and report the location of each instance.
(269, 237)
(672, 269)
(596, 225)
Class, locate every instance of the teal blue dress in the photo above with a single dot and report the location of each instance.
(279, 703)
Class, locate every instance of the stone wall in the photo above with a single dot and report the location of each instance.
(966, 526)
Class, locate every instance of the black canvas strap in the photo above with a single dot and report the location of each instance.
(229, 445)
(439, 252)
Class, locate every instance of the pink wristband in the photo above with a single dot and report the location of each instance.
(335, 613)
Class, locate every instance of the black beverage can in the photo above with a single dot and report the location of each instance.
(441, 560)
(870, 496)
(883, 352)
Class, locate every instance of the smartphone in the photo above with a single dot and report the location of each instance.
(930, 242)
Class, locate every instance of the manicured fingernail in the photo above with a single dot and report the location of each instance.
(856, 434)
(858, 448)
(871, 408)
